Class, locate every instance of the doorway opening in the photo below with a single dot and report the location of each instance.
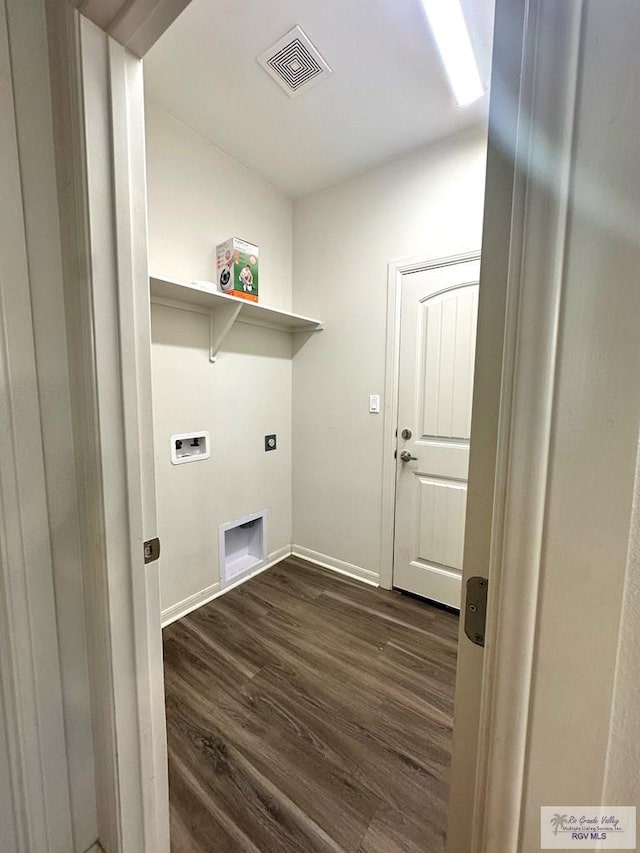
(311, 707)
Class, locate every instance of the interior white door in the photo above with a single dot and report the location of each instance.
(439, 308)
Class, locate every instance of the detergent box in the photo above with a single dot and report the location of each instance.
(237, 263)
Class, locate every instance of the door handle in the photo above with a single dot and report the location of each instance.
(406, 456)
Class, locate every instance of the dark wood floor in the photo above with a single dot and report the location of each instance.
(308, 712)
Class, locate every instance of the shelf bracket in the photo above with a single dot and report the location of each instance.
(220, 322)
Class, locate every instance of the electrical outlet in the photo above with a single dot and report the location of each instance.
(270, 442)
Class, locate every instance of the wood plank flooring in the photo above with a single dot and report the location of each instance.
(309, 713)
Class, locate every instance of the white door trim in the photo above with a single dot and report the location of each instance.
(135, 24)
(35, 812)
(140, 23)
(98, 94)
(536, 271)
(396, 271)
(134, 326)
(119, 303)
(541, 149)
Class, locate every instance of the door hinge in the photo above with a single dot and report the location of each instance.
(475, 617)
(151, 550)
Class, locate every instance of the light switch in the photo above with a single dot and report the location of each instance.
(374, 404)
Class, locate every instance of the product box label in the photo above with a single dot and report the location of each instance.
(237, 274)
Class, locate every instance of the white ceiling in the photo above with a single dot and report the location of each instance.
(388, 93)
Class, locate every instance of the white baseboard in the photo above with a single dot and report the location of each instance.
(177, 611)
(193, 602)
(339, 566)
(198, 599)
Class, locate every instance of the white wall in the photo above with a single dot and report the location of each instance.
(343, 238)
(198, 197)
(428, 204)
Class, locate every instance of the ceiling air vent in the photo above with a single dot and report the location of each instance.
(294, 63)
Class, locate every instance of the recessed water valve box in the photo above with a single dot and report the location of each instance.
(190, 447)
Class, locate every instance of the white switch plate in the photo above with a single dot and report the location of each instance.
(374, 403)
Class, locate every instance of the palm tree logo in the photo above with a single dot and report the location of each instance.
(557, 821)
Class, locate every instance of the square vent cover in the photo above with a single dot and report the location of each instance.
(294, 63)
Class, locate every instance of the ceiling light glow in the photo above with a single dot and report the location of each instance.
(452, 37)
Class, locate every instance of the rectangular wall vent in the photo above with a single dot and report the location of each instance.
(294, 63)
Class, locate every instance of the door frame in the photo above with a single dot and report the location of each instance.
(530, 251)
(537, 59)
(98, 102)
(397, 270)
(35, 789)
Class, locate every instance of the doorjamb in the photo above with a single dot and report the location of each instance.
(524, 251)
(97, 90)
(396, 271)
(35, 791)
(538, 213)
